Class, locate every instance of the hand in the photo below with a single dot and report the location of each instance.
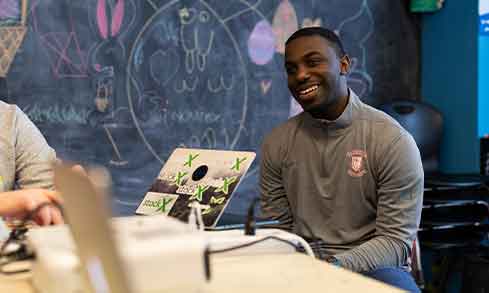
(79, 169)
(18, 204)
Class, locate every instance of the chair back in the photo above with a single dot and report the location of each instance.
(424, 123)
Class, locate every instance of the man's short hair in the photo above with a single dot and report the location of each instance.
(329, 35)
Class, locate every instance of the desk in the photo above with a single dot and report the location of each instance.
(282, 273)
(16, 284)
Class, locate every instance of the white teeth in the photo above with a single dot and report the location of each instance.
(308, 90)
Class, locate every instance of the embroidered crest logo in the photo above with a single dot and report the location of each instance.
(357, 166)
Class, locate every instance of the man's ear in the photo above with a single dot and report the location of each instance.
(345, 65)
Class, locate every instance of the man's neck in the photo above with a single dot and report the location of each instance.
(333, 112)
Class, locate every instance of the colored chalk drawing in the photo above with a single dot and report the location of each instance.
(131, 80)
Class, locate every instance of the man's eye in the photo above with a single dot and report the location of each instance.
(313, 62)
(290, 70)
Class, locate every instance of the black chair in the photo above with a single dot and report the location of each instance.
(425, 123)
(455, 211)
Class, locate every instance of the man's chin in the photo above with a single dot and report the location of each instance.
(309, 107)
(315, 110)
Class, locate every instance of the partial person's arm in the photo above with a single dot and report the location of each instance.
(21, 203)
(274, 202)
(400, 199)
(33, 156)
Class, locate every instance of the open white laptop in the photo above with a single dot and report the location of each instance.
(117, 254)
(207, 176)
(86, 211)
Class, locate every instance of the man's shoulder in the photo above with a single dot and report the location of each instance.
(378, 120)
(285, 128)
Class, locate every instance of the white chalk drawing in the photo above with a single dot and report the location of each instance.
(186, 85)
(200, 80)
(220, 85)
(163, 66)
(119, 160)
(359, 76)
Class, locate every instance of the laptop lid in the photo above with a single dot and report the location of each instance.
(86, 210)
(206, 176)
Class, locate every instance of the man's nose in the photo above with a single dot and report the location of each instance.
(302, 74)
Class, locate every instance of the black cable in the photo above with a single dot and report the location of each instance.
(250, 225)
(208, 251)
(207, 263)
(244, 245)
(18, 255)
(17, 234)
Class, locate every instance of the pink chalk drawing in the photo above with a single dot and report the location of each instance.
(117, 18)
(284, 24)
(261, 43)
(66, 57)
(109, 19)
(9, 9)
(102, 19)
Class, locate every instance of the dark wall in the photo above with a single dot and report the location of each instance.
(123, 84)
(450, 83)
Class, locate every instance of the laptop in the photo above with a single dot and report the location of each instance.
(208, 177)
(87, 211)
(117, 255)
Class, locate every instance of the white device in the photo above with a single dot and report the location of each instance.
(153, 261)
(132, 254)
(152, 248)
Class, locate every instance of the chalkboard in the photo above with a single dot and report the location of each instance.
(121, 83)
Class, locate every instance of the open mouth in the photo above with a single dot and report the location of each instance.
(308, 92)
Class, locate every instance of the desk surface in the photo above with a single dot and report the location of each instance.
(261, 273)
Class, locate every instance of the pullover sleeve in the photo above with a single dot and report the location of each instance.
(400, 180)
(33, 156)
(274, 202)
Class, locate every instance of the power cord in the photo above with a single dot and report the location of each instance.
(17, 236)
(313, 238)
(208, 252)
(250, 225)
(250, 229)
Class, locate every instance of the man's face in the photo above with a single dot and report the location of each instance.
(314, 72)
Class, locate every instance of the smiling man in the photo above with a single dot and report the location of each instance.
(342, 170)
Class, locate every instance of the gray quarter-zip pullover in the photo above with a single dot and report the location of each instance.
(356, 181)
